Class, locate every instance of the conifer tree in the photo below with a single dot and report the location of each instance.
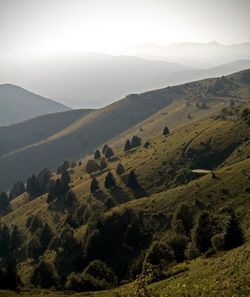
(103, 164)
(109, 181)
(97, 155)
(136, 141)
(233, 235)
(17, 190)
(132, 181)
(127, 145)
(4, 202)
(165, 131)
(104, 149)
(92, 166)
(94, 186)
(46, 236)
(120, 169)
(16, 239)
(109, 153)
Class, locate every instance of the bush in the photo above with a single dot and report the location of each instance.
(178, 243)
(192, 252)
(159, 254)
(96, 276)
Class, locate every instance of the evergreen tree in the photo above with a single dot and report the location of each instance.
(109, 153)
(65, 179)
(16, 239)
(120, 169)
(165, 131)
(94, 186)
(46, 236)
(33, 187)
(109, 181)
(203, 232)
(12, 279)
(127, 145)
(65, 165)
(73, 164)
(4, 241)
(44, 179)
(4, 202)
(70, 199)
(17, 190)
(136, 141)
(104, 149)
(233, 235)
(97, 155)
(92, 166)
(132, 181)
(103, 164)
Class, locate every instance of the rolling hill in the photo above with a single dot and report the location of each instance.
(170, 188)
(19, 135)
(87, 133)
(18, 104)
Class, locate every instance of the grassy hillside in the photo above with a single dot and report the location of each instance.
(164, 171)
(31, 131)
(187, 214)
(87, 133)
(18, 104)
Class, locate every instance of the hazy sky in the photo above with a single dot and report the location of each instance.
(109, 25)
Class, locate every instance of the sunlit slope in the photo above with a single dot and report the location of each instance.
(87, 133)
(40, 128)
(164, 165)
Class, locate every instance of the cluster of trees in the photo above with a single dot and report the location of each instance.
(9, 278)
(59, 192)
(4, 203)
(10, 241)
(134, 142)
(221, 87)
(107, 152)
(38, 185)
(99, 162)
(110, 182)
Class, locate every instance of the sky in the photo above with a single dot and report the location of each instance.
(34, 26)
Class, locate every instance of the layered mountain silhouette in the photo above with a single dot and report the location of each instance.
(18, 104)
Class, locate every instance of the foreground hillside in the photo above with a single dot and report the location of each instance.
(196, 99)
(18, 104)
(178, 202)
(193, 278)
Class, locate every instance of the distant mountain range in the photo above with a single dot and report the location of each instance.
(91, 80)
(18, 104)
(203, 55)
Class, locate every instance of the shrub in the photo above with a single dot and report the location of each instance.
(96, 276)
(192, 252)
(178, 243)
(159, 254)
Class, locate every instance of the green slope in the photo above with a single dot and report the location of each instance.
(86, 134)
